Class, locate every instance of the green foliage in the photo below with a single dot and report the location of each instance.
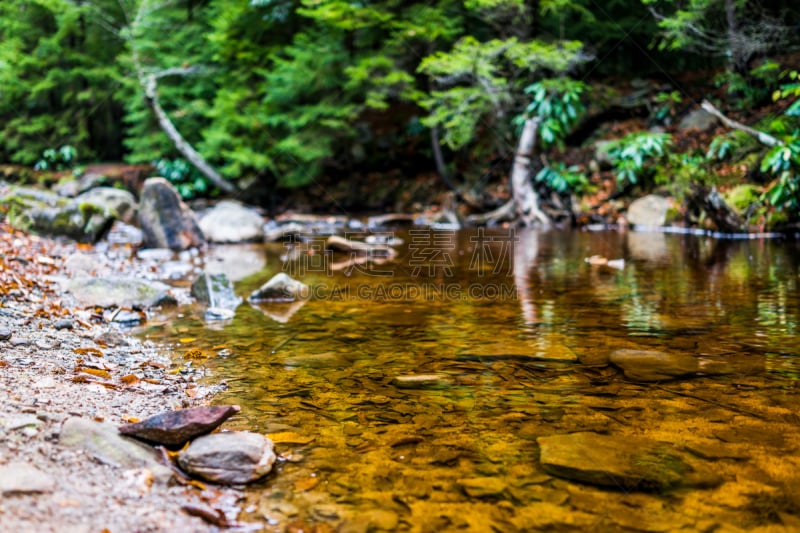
(666, 102)
(63, 158)
(481, 84)
(633, 155)
(557, 101)
(783, 162)
(679, 171)
(751, 89)
(562, 179)
(187, 180)
(790, 90)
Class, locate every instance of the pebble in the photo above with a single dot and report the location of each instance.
(22, 478)
(5, 334)
(64, 323)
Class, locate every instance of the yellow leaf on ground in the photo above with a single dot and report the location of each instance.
(306, 483)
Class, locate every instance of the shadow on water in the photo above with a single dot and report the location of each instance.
(456, 387)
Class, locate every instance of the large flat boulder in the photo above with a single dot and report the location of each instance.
(118, 292)
(650, 365)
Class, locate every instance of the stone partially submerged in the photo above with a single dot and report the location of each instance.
(280, 288)
(176, 428)
(229, 458)
(216, 291)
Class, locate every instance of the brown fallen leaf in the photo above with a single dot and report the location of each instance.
(88, 351)
(98, 372)
(130, 379)
(194, 353)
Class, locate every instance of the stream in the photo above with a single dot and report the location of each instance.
(493, 380)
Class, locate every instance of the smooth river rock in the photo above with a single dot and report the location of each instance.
(121, 201)
(620, 462)
(646, 365)
(230, 458)
(176, 428)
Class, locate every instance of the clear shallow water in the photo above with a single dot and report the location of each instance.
(517, 329)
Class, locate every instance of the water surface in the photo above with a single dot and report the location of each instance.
(516, 330)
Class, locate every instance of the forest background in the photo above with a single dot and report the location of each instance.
(409, 100)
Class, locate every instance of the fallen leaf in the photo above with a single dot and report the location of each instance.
(94, 372)
(88, 351)
(187, 340)
(130, 419)
(130, 379)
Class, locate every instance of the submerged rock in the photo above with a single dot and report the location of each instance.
(166, 221)
(230, 221)
(229, 458)
(280, 288)
(104, 443)
(420, 381)
(118, 292)
(216, 291)
(176, 428)
(334, 242)
(645, 365)
(620, 462)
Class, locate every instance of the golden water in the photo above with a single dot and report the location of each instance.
(517, 332)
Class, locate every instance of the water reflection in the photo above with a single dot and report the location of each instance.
(364, 454)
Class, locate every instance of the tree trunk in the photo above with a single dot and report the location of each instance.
(441, 168)
(525, 197)
(186, 149)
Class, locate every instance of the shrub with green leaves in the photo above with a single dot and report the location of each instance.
(186, 179)
(634, 155)
(783, 162)
(64, 158)
(562, 179)
(557, 102)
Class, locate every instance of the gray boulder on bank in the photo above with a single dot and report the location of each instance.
(48, 213)
(229, 458)
(280, 288)
(102, 442)
(230, 221)
(648, 211)
(166, 221)
(120, 200)
(118, 292)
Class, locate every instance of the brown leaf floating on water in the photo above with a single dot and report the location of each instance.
(175, 428)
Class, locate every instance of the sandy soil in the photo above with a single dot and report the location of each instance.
(57, 362)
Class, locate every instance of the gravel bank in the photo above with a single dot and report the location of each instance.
(58, 362)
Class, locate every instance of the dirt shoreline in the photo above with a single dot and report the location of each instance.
(58, 362)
